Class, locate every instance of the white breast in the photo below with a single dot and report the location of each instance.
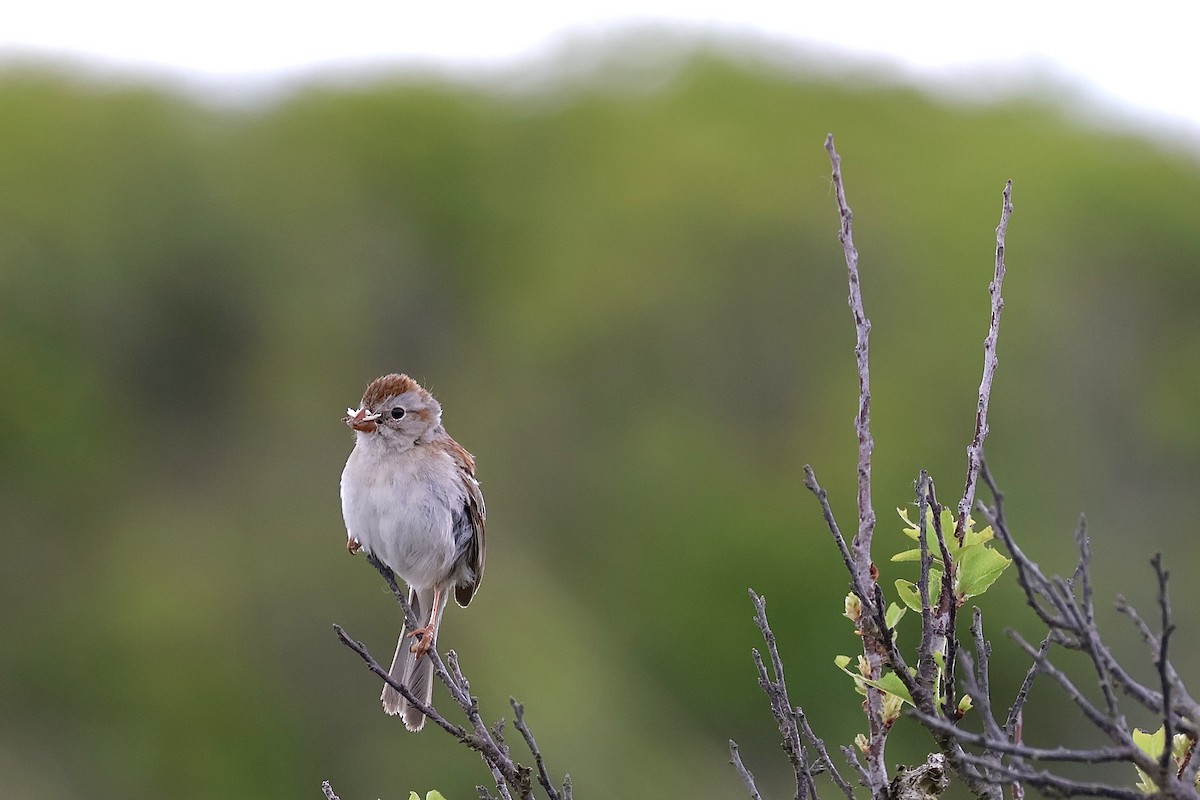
(398, 505)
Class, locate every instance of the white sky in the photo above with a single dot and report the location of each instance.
(1144, 56)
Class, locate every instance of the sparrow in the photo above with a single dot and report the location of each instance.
(411, 501)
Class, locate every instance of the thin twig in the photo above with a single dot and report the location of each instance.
(456, 731)
(874, 648)
(328, 791)
(859, 589)
(1098, 755)
(1030, 578)
(735, 758)
(1182, 701)
(979, 687)
(1094, 715)
(1162, 662)
(990, 361)
(1012, 724)
(823, 755)
(926, 664)
(851, 755)
(862, 329)
(774, 685)
(543, 776)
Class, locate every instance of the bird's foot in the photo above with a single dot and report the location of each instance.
(352, 545)
(424, 643)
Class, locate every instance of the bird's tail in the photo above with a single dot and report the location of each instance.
(416, 674)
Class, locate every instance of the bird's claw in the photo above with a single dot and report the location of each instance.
(352, 545)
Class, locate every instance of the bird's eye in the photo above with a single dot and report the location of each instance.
(397, 413)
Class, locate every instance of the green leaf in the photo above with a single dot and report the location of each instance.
(1151, 744)
(894, 614)
(908, 555)
(434, 794)
(977, 537)
(909, 594)
(843, 663)
(911, 530)
(948, 520)
(889, 683)
(978, 568)
(1145, 785)
(892, 684)
(912, 598)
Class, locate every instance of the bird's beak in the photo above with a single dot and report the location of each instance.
(361, 420)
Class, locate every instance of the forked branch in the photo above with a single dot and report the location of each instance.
(512, 779)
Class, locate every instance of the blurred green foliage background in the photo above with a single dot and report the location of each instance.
(623, 281)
